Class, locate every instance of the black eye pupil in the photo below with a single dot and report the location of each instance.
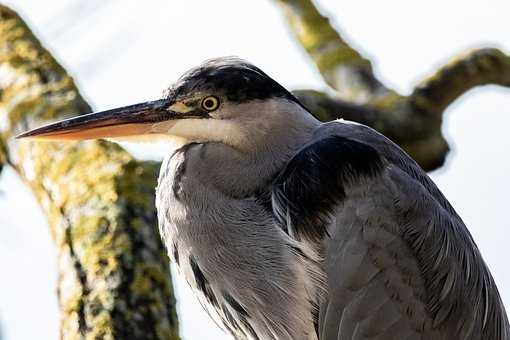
(210, 104)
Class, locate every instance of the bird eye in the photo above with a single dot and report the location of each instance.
(210, 103)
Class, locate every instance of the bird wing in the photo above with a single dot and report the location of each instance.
(399, 261)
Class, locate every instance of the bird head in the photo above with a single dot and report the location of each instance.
(225, 100)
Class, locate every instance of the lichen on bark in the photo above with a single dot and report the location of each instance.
(114, 279)
(414, 121)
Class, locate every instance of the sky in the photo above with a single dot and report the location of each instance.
(123, 52)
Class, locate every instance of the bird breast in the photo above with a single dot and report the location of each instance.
(245, 270)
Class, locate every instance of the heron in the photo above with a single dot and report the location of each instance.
(290, 228)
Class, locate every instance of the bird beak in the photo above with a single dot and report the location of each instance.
(138, 119)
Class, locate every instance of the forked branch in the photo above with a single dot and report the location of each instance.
(341, 66)
(414, 121)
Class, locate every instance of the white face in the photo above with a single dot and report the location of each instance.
(197, 109)
(240, 125)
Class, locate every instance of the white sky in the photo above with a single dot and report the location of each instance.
(122, 52)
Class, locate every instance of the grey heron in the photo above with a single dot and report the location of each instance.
(289, 228)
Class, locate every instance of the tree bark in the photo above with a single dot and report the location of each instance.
(113, 273)
(114, 279)
(415, 121)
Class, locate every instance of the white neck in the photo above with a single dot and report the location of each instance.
(247, 167)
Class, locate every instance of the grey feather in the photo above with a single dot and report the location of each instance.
(287, 228)
(399, 259)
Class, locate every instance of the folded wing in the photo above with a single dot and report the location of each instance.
(400, 262)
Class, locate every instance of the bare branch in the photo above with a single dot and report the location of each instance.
(474, 68)
(419, 135)
(342, 67)
(114, 279)
(415, 121)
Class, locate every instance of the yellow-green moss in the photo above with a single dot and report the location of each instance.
(341, 66)
(99, 201)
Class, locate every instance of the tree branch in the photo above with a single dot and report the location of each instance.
(418, 134)
(474, 68)
(342, 67)
(414, 122)
(114, 278)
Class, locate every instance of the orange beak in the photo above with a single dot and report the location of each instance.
(130, 120)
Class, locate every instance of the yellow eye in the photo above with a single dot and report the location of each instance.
(210, 103)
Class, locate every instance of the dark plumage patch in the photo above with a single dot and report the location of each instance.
(229, 318)
(298, 251)
(175, 251)
(242, 316)
(202, 283)
(176, 185)
(181, 169)
(200, 279)
(314, 181)
(234, 304)
(233, 78)
(249, 329)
